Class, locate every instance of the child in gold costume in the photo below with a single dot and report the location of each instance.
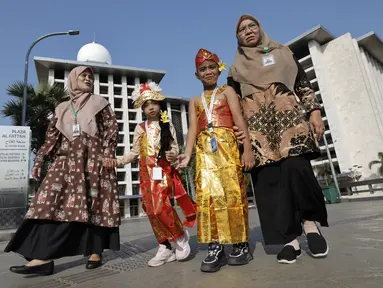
(222, 209)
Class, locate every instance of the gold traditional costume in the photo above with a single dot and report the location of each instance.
(222, 213)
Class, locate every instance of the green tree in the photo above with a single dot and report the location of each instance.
(41, 103)
(378, 162)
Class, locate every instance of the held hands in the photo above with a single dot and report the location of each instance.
(248, 160)
(171, 156)
(109, 163)
(120, 161)
(183, 161)
(239, 134)
(317, 124)
(36, 173)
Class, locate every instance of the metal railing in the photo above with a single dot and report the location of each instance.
(371, 184)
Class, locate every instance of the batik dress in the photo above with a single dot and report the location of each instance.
(76, 209)
(286, 189)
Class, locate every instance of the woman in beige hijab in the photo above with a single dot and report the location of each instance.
(274, 90)
(75, 210)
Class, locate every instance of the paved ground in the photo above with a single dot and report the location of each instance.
(355, 260)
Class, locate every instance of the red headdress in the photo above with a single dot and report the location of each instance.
(204, 55)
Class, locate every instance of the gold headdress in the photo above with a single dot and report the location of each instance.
(145, 92)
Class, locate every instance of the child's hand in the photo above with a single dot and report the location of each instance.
(248, 160)
(36, 173)
(170, 156)
(183, 161)
(239, 134)
(120, 161)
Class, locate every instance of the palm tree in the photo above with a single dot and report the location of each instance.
(378, 162)
(41, 103)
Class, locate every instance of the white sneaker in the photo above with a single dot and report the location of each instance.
(163, 256)
(183, 247)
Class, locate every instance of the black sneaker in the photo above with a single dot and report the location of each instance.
(240, 255)
(215, 258)
(317, 245)
(288, 255)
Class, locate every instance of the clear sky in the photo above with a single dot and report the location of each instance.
(166, 34)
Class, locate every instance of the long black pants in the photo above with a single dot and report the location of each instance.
(287, 193)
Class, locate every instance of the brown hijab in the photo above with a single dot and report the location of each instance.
(86, 103)
(248, 68)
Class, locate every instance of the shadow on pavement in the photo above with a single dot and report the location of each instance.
(143, 245)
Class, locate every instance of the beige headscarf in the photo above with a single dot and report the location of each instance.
(86, 103)
(248, 68)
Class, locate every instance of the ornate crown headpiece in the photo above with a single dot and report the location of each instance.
(145, 92)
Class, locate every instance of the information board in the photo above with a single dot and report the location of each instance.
(14, 174)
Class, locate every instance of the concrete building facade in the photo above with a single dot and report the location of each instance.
(347, 74)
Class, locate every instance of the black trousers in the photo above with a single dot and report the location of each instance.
(287, 193)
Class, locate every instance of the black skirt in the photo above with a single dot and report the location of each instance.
(287, 193)
(48, 240)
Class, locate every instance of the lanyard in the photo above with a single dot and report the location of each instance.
(209, 111)
(74, 111)
(151, 138)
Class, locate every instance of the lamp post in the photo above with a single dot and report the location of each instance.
(24, 108)
(331, 166)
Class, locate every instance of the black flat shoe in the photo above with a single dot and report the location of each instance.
(43, 269)
(317, 244)
(90, 264)
(288, 255)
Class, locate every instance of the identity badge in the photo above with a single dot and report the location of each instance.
(268, 60)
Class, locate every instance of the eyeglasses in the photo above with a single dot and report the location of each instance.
(252, 27)
(85, 76)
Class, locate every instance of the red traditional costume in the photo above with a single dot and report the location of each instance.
(156, 194)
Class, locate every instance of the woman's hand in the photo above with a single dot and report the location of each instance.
(248, 160)
(171, 156)
(317, 124)
(36, 173)
(109, 163)
(239, 134)
(183, 161)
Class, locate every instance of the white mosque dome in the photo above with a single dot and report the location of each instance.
(94, 52)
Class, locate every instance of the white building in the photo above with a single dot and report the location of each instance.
(347, 75)
(116, 84)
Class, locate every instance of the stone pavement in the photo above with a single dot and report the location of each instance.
(355, 260)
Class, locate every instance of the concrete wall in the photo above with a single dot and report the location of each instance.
(353, 119)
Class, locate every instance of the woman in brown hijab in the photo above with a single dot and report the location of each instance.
(282, 112)
(75, 210)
